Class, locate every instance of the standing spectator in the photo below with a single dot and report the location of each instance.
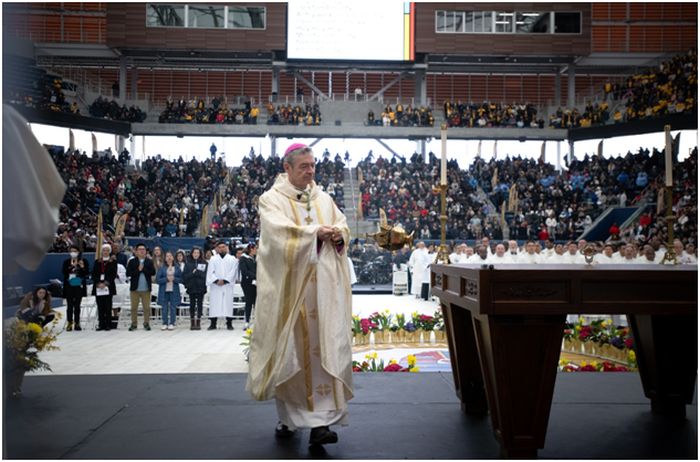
(180, 259)
(168, 278)
(75, 272)
(195, 280)
(221, 276)
(212, 150)
(248, 268)
(104, 274)
(157, 258)
(140, 270)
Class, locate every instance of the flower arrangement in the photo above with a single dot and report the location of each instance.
(599, 338)
(595, 366)
(245, 342)
(24, 341)
(370, 364)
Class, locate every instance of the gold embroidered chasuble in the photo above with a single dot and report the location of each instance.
(301, 347)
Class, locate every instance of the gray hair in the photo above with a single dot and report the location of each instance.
(292, 156)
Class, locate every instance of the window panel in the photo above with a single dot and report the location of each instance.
(160, 15)
(209, 16)
(567, 23)
(246, 17)
(504, 22)
(532, 23)
(440, 21)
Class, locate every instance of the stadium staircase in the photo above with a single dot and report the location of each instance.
(351, 193)
(493, 211)
(599, 230)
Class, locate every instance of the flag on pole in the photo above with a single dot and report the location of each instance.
(71, 140)
(675, 147)
(478, 150)
(600, 149)
(541, 159)
(660, 200)
(120, 224)
(98, 250)
(495, 149)
(503, 215)
(94, 143)
(494, 178)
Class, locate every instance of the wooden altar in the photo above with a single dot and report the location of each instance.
(505, 327)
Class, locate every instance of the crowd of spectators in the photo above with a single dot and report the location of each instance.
(217, 112)
(293, 115)
(404, 189)
(671, 88)
(488, 114)
(104, 108)
(594, 114)
(172, 208)
(529, 196)
(238, 212)
(402, 117)
(49, 97)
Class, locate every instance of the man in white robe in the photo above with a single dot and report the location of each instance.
(301, 347)
(418, 262)
(221, 277)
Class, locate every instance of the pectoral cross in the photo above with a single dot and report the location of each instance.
(309, 220)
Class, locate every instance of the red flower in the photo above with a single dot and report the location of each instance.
(629, 342)
(393, 368)
(356, 369)
(586, 332)
(588, 368)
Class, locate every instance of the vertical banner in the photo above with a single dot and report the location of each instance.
(495, 149)
(98, 249)
(542, 150)
(71, 140)
(478, 150)
(600, 149)
(94, 143)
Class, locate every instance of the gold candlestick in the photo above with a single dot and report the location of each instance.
(442, 255)
(670, 255)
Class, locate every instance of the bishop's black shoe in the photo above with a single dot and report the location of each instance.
(322, 435)
(283, 431)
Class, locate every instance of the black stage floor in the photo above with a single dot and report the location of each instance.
(393, 416)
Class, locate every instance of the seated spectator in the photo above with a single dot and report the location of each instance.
(36, 307)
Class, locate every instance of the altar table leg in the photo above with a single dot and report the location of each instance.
(519, 357)
(469, 382)
(667, 356)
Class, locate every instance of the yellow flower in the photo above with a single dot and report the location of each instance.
(374, 355)
(248, 331)
(414, 369)
(393, 361)
(34, 327)
(411, 360)
(581, 320)
(563, 362)
(605, 323)
(632, 356)
(584, 363)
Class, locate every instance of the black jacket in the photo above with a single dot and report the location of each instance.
(132, 271)
(109, 269)
(248, 268)
(82, 273)
(195, 280)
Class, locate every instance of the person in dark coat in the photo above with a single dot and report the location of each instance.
(140, 270)
(248, 269)
(195, 279)
(75, 272)
(103, 287)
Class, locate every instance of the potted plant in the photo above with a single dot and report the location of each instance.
(23, 343)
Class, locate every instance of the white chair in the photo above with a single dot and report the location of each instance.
(183, 309)
(238, 302)
(88, 312)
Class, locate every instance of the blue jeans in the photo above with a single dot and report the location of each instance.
(169, 308)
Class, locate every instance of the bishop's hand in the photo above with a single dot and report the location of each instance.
(324, 233)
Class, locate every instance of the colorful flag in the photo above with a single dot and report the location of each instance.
(98, 250)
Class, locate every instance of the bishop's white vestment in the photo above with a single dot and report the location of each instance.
(301, 346)
(221, 297)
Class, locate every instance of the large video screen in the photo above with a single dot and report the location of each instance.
(362, 30)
